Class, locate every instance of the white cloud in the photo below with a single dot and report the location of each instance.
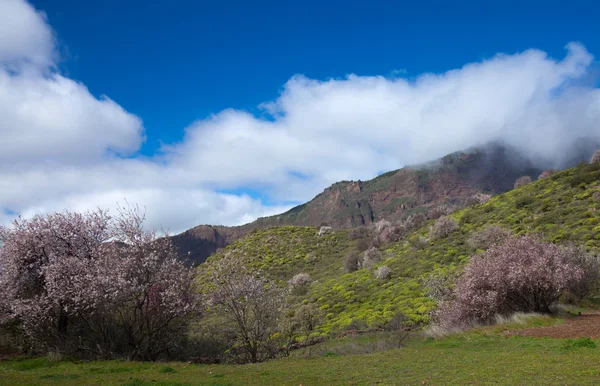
(61, 147)
(25, 36)
(173, 209)
(52, 118)
(351, 128)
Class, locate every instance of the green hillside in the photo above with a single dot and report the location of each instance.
(563, 208)
(395, 195)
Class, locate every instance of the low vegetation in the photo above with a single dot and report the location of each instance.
(481, 357)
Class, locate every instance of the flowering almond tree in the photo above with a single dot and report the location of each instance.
(525, 274)
(89, 284)
(251, 305)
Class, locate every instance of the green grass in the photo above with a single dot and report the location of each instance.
(471, 358)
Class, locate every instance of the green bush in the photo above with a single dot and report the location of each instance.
(579, 343)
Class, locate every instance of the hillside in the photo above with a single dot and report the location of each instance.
(393, 195)
(563, 207)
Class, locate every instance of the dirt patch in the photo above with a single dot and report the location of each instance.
(585, 325)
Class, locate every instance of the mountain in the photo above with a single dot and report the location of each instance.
(394, 195)
(563, 208)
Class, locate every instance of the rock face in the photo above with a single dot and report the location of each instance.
(393, 195)
(202, 241)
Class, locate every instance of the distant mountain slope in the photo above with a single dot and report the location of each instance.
(563, 208)
(392, 195)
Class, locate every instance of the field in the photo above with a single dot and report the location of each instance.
(483, 356)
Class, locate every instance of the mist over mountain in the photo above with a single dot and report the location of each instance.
(451, 180)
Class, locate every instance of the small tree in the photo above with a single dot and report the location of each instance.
(415, 221)
(547, 173)
(392, 233)
(440, 211)
(308, 317)
(300, 279)
(359, 233)
(478, 199)
(92, 285)
(352, 261)
(439, 286)
(383, 273)
(369, 257)
(418, 242)
(156, 296)
(325, 230)
(596, 157)
(299, 283)
(488, 236)
(522, 181)
(525, 274)
(251, 304)
(443, 227)
(381, 225)
(590, 265)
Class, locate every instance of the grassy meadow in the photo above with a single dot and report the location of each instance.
(481, 356)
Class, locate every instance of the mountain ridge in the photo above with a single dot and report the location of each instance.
(450, 180)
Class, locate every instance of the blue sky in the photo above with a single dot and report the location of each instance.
(223, 111)
(172, 62)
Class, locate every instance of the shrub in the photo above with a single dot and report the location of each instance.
(308, 317)
(356, 325)
(596, 157)
(95, 286)
(439, 286)
(547, 173)
(375, 242)
(324, 230)
(596, 196)
(397, 323)
(522, 181)
(523, 201)
(352, 261)
(439, 211)
(415, 221)
(525, 274)
(443, 227)
(383, 273)
(392, 234)
(364, 244)
(579, 343)
(383, 232)
(381, 225)
(300, 279)
(488, 236)
(478, 199)
(359, 233)
(590, 265)
(418, 242)
(299, 283)
(370, 256)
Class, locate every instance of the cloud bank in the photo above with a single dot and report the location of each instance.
(61, 147)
